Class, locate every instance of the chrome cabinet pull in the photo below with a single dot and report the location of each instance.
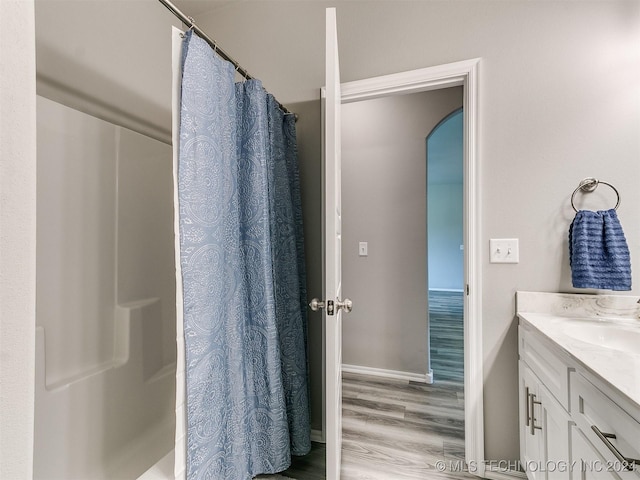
(526, 390)
(626, 461)
(534, 427)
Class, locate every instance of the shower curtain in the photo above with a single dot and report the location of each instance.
(242, 270)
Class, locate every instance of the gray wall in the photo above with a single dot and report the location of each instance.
(309, 158)
(558, 102)
(384, 202)
(109, 59)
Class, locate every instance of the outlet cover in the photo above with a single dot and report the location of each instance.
(504, 250)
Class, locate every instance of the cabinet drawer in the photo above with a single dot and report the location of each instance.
(588, 463)
(593, 411)
(548, 367)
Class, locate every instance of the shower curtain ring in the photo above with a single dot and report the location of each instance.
(242, 74)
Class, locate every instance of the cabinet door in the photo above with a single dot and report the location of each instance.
(589, 465)
(555, 431)
(544, 447)
(531, 441)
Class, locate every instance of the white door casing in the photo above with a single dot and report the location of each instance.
(465, 74)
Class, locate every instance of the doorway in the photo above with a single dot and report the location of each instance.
(395, 421)
(445, 248)
(384, 249)
(463, 74)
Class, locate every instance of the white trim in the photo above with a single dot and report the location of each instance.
(465, 74)
(504, 474)
(323, 98)
(393, 374)
(317, 436)
(421, 80)
(473, 358)
(454, 290)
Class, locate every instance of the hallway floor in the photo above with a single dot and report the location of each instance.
(395, 430)
(446, 321)
(401, 430)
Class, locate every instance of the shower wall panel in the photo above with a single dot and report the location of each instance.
(76, 240)
(105, 336)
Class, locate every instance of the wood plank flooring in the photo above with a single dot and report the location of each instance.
(394, 430)
(446, 330)
(398, 430)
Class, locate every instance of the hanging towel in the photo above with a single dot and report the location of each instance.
(598, 251)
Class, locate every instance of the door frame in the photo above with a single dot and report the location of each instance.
(465, 74)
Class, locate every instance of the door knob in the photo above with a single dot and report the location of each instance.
(347, 305)
(316, 304)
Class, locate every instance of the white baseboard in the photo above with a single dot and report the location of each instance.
(394, 374)
(317, 436)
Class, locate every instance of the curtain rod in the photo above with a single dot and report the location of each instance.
(192, 25)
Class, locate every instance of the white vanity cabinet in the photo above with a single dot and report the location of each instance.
(611, 432)
(531, 432)
(544, 420)
(573, 424)
(587, 455)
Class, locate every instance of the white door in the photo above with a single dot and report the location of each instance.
(332, 246)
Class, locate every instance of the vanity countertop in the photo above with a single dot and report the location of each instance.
(600, 332)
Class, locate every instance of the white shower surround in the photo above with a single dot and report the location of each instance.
(105, 351)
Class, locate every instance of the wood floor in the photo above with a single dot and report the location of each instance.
(400, 430)
(446, 329)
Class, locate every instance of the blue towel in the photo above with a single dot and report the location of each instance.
(598, 251)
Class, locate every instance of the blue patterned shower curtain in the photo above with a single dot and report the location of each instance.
(242, 260)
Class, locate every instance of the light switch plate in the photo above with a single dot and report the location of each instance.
(504, 250)
(363, 249)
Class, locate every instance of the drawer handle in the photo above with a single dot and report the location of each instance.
(627, 462)
(533, 402)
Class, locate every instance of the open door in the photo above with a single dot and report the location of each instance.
(333, 250)
(333, 306)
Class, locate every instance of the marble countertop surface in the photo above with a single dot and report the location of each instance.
(562, 318)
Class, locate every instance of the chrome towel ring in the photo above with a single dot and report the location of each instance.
(588, 185)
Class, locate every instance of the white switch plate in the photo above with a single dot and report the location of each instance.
(504, 250)
(363, 249)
